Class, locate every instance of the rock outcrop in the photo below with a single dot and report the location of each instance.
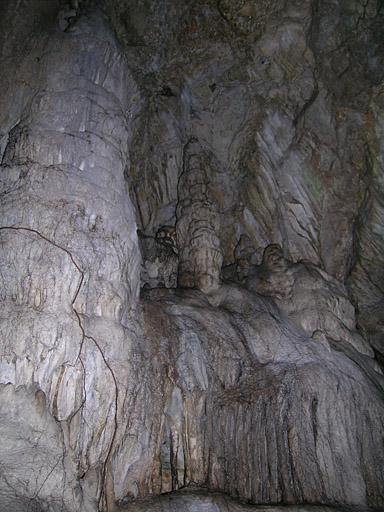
(70, 267)
(198, 223)
(191, 251)
(309, 297)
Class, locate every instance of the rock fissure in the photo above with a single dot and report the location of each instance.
(84, 336)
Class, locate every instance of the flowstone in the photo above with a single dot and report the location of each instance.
(191, 256)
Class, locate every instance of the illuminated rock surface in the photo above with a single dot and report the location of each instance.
(191, 252)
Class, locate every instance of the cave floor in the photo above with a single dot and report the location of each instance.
(204, 501)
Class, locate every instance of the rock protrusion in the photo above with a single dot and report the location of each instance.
(310, 297)
(198, 223)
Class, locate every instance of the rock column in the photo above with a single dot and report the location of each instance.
(70, 261)
(198, 223)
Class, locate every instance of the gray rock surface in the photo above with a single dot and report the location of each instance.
(236, 345)
(198, 223)
(159, 259)
(310, 297)
(212, 502)
(244, 384)
(70, 255)
(366, 280)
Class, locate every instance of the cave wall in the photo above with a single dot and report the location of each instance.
(70, 255)
(150, 152)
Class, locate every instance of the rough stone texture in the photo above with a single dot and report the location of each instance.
(211, 502)
(243, 141)
(69, 256)
(243, 384)
(308, 296)
(366, 279)
(35, 473)
(196, 500)
(160, 261)
(198, 223)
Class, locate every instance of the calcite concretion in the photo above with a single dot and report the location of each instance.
(198, 223)
(191, 256)
(70, 265)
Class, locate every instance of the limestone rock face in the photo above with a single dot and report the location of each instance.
(250, 399)
(308, 296)
(211, 502)
(160, 261)
(69, 259)
(191, 255)
(198, 223)
(366, 280)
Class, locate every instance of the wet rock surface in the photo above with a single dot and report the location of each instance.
(191, 251)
